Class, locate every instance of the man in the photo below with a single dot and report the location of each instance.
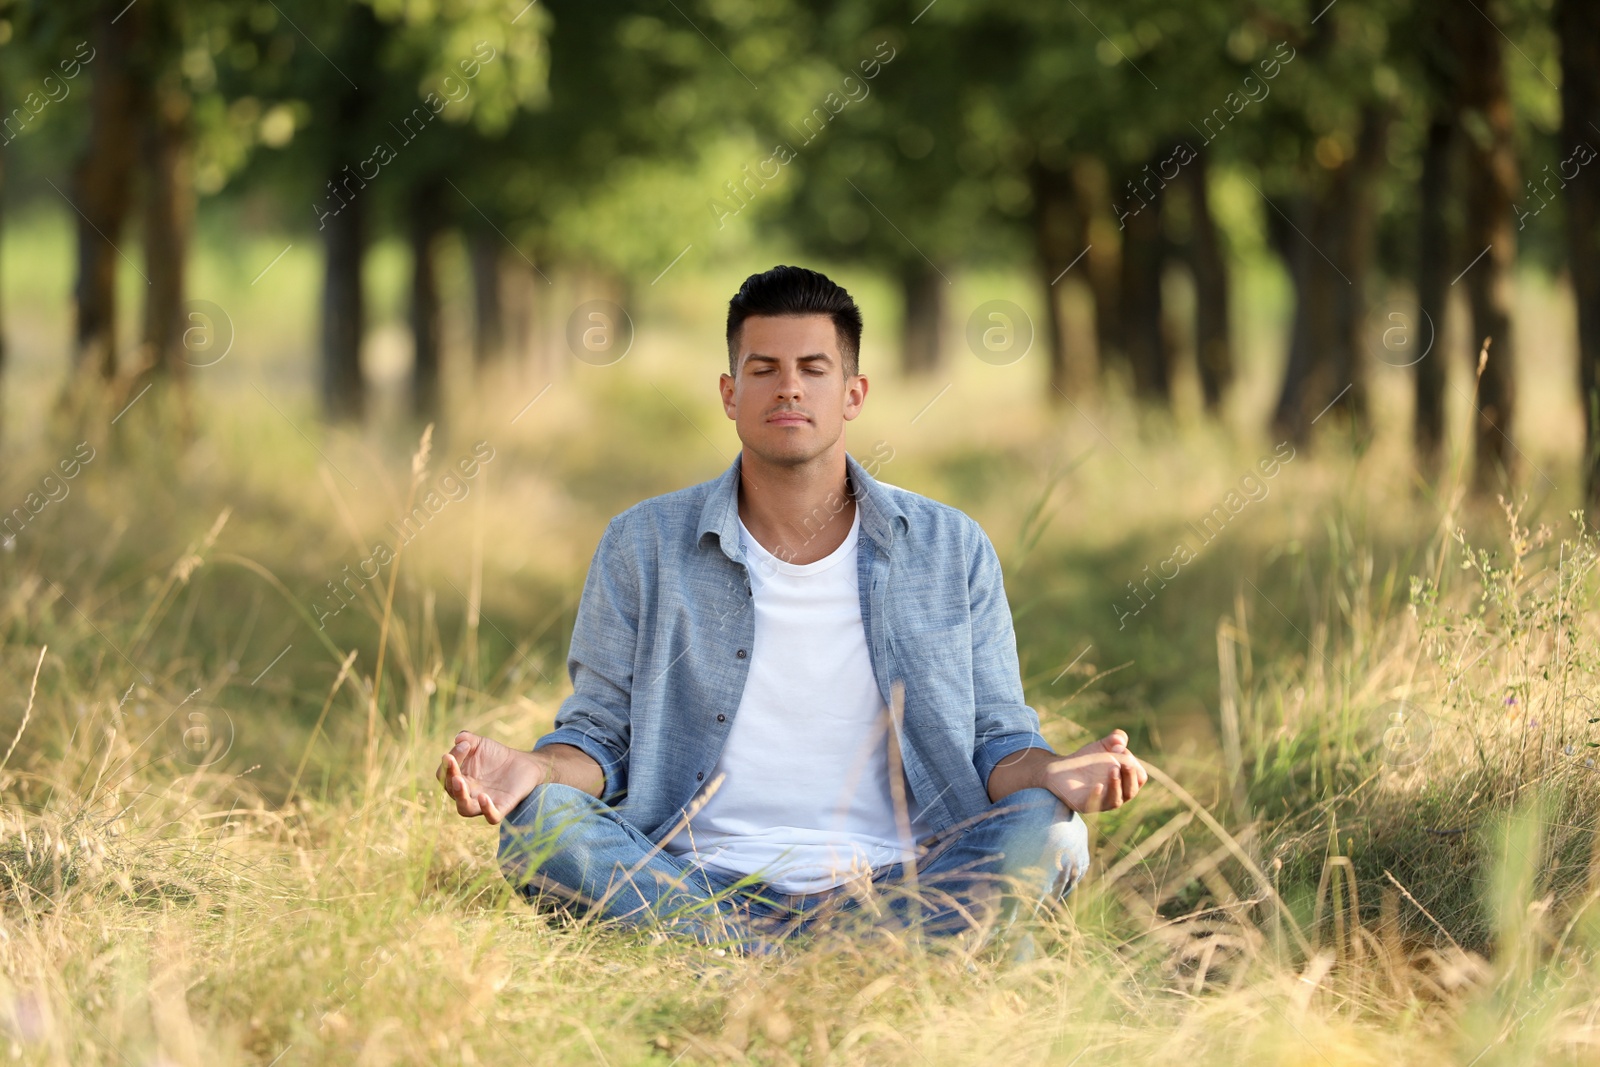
(795, 688)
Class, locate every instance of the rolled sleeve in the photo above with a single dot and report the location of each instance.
(613, 762)
(596, 717)
(991, 752)
(1005, 724)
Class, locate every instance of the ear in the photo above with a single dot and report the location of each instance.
(730, 406)
(855, 395)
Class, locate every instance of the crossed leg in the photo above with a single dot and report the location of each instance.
(564, 844)
(1027, 850)
(1024, 853)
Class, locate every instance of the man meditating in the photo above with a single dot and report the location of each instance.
(795, 689)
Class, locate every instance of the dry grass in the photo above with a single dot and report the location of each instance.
(279, 880)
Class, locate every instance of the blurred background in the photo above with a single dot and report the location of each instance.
(1109, 259)
(1248, 215)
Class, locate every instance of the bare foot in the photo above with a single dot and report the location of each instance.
(487, 778)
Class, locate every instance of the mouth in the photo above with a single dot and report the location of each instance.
(788, 418)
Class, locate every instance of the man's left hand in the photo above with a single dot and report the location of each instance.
(1100, 776)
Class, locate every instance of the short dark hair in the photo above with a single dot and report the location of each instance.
(796, 291)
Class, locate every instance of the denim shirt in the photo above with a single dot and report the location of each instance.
(664, 633)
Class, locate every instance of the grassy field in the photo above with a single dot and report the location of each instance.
(1369, 708)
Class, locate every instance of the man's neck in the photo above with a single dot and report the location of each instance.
(801, 513)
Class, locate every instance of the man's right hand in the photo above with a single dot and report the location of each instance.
(487, 778)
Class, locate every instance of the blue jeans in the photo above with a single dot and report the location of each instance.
(563, 845)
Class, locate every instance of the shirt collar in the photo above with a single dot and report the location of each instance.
(881, 516)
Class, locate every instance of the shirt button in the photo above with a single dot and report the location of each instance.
(699, 776)
(740, 653)
(722, 718)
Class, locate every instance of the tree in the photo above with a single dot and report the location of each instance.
(1213, 340)
(139, 148)
(1106, 108)
(608, 173)
(1145, 342)
(166, 152)
(883, 161)
(474, 70)
(1490, 183)
(1578, 28)
(389, 96)
(102, 193)
(1332, 118)
(1436, 80)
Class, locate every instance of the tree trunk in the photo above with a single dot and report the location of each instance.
(1305, 391)
(1103, 263)
(1288, 415)
(2, 285)
(426, 329)
(343, 312)
(1434, 254)
(168, 221)
(101, 186)
(1060, 229)
(922, 327)
(1578, 30)
(1143, 248)
(1491, 187)
(341, 210)
(1213, 336)
(1328, 251)
(488, 310)
(1350, 231)
(521, 338)
(545, 351)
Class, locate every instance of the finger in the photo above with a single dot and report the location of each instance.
(1130, 782)
(460, 790)
(1131, 762)
(490, 811)
(1114, 793)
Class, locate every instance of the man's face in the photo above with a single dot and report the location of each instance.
(790, 397)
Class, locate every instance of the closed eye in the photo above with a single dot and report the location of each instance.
(813, 369)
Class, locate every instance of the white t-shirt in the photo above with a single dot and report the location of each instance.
(805, 804)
